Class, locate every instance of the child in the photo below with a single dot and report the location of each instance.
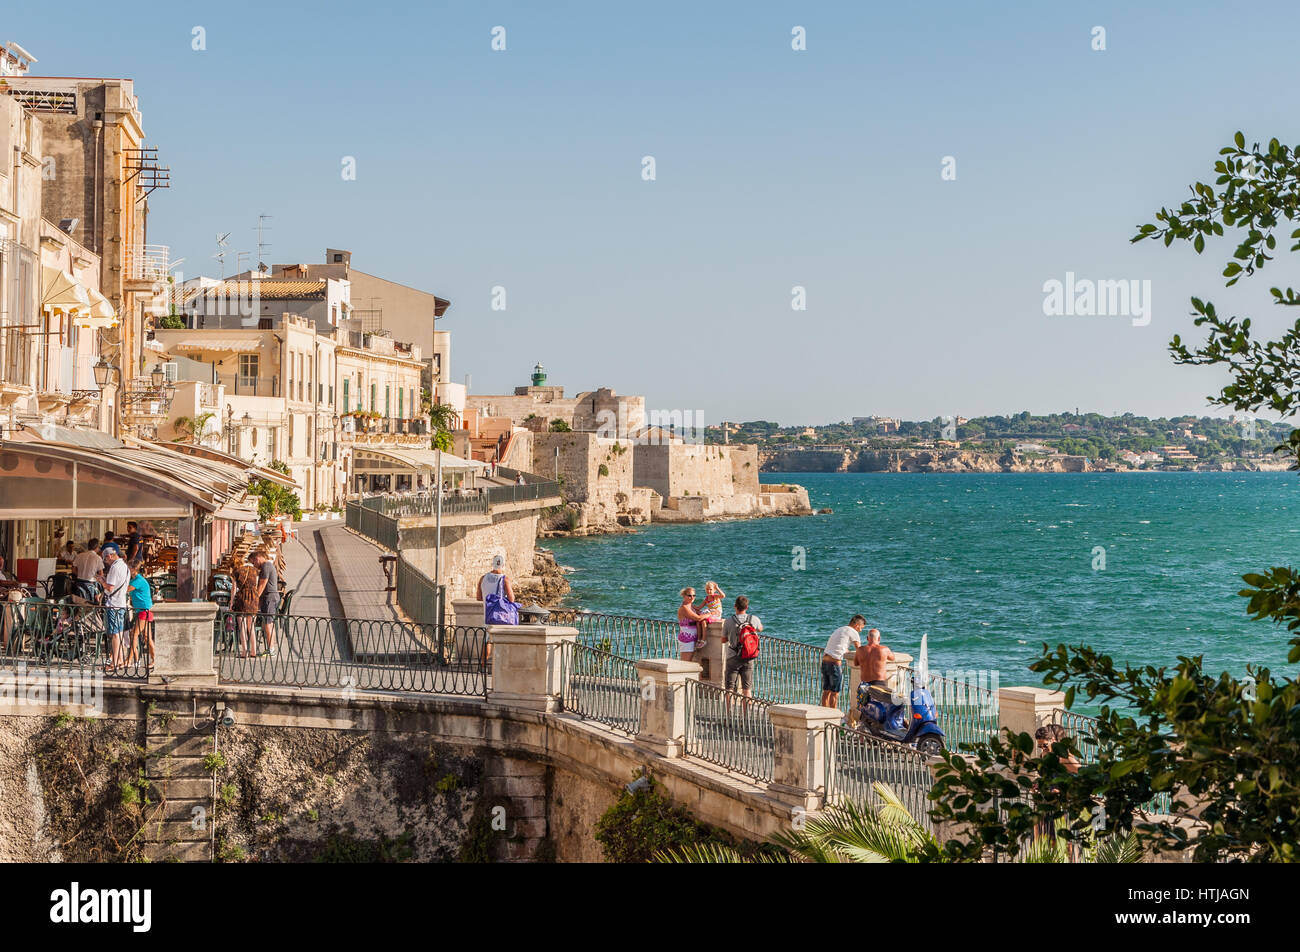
(712, 607)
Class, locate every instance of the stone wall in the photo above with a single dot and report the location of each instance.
(467, 550)
(696, 469)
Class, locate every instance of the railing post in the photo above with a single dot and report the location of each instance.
(183, 643)
(713, 657)
(662, 683)
(1024, 710)
(799, 765)
(527, 665)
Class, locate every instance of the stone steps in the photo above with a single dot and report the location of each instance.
(176, 746)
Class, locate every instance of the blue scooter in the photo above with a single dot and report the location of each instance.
(913, 723)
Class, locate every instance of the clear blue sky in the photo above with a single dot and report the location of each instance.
(775, 168)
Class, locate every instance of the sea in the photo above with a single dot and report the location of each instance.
(1143, 566)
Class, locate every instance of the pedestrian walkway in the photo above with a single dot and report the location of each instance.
(337, 574)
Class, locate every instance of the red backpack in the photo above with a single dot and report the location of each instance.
(746, 638)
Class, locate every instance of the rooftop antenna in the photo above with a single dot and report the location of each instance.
(241, 258)
(222, 241)
(262, 243)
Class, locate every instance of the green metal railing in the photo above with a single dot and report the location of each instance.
(785, 672)
(600, 686)
(418, 596)
(624, 635)
(855, 760)
(73, 640)
(373, 524)
(967, 712)
(1083, 730)
(355, 654)
(730, 730)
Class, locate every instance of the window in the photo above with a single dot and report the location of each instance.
(387, 407)
(248, 370)
(271, 434)
(373, 401)
(400, 415)
(346, 408)
(292, 426)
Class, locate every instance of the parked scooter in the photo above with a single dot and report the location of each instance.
(914, 723)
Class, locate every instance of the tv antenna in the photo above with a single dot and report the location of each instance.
(262, 243)
(222, 241)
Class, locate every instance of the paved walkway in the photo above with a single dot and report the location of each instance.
(337, 574)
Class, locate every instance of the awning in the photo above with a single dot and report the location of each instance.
(222, 346)
(413, 458)
(101, 314)
(261, 472)
(61, 292)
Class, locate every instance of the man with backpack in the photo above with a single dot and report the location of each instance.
(740, 631)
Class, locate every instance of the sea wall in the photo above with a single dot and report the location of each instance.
(468, 549)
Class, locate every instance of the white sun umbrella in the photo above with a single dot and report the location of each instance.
(923, 661)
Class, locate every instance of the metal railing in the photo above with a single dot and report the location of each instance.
(855, 760)
(600, 686)
(730, 730)
(74, 640)
(789, 672)
(624, 635)
(372, 524)
(356, 654)
(418, 596)
(966, 712)
(1083, 730)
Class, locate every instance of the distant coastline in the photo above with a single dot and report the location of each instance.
(834, 459)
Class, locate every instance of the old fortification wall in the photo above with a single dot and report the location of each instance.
(467, 550)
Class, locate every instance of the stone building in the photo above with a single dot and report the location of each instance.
(97, 176)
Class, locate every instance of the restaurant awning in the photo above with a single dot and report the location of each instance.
(261, 472)
(387, 460)
(55, 472)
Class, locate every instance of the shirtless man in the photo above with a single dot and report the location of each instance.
(872, 660)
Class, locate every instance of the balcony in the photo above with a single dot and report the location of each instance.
(147, 264)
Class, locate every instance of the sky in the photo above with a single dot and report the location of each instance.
(821, 169)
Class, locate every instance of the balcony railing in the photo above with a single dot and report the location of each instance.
(147, 262)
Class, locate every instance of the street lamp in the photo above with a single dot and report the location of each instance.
(156, 376)
(103, 370)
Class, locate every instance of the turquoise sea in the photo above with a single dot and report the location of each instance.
(989, 565)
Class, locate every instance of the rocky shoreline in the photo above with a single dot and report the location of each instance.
(970, 461)
(547, 586)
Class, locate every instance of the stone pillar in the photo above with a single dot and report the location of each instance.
(183, 633)
(526, 665)
(713, 657)
(466, 612)
(1024, 710)
(663, 704)
(799, 772)
(894, 672)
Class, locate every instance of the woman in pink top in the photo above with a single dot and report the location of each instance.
(688, 625)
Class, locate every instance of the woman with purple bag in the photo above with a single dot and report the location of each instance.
(498, 598)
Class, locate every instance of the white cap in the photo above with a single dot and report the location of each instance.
(498, 561)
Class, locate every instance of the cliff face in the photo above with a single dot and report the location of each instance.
(913, 461)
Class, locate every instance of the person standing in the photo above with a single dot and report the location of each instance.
(116, 580)
(141, 596)
(837, 646)
(133, 552)
(268, 597)
(496, 592)
(739, 669)
(689, 622)
(244, 601)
